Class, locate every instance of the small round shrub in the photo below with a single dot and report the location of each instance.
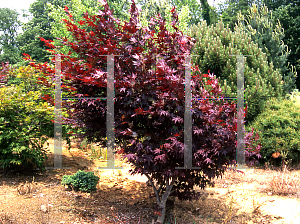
(82, 181)
(279, 126)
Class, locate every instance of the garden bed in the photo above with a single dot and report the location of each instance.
(258, 196)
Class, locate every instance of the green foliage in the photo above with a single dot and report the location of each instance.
(22, 123)
(78, 7)
(82, 181)
(194, 7)
(229, 9)
(205, 11)
(279, 126)
(288, 15)
(274, 4)
(46, 21)
(150, 9)
(188, 12)
(120, 8)
(261, 26)
(57, 13)
(39, 25)
(25, 119)
(9, 24)
(215, 44)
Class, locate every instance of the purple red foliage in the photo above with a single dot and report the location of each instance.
(4, 69)
(149, 99)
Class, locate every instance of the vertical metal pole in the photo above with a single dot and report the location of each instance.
(110, 112)
(110, 119)
(240, 154)
(188, 130)
(188, 153)
(240, 150)
(57, 115)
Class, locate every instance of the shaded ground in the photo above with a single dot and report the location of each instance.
(121, 198)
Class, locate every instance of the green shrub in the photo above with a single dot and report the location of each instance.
(21, 128)
(25, 119)
(83, 181)
(279, 126)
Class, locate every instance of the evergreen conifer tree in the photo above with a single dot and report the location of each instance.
(260, 25)
(287, 12)
(216, 45)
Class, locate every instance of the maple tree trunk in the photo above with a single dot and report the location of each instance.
(161, 218)
(162, 203)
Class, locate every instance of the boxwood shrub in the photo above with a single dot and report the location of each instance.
(82, 181)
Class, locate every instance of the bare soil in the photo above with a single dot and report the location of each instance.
(257, 196)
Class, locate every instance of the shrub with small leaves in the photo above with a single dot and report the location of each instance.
(83, 181)
(25, 118)
(279, 125)
(24, 121)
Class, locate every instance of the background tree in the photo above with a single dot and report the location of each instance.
(215, 44)
(9, 25)
(214, 15)
(229, 9)
(288, 15)
(268, 34)
(189, 12)
(38, 26)
(274, 4)
(194, 7)
(151, 9)
(287, 11)
(120, 8)
(205, 11)
(78, 8)
(58, 30)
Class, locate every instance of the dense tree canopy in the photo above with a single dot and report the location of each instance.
(38, 26)
(205, 11)
(9, 25)
(286, 11)
(229, 9)
(215, 45)
(275, 4)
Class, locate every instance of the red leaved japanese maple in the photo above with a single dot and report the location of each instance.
(149, 72)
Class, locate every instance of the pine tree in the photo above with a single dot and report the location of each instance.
(215, 44)
(260, 25)
(287, 12)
